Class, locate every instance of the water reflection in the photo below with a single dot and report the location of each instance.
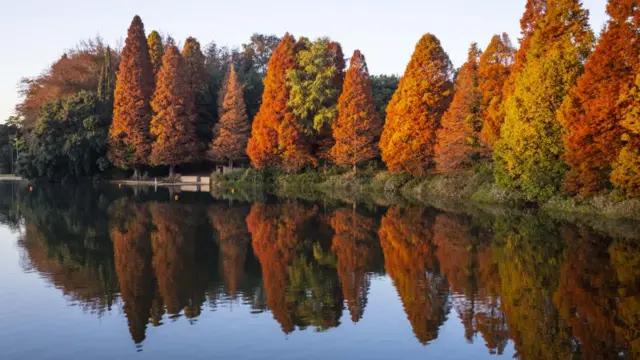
(545, 288)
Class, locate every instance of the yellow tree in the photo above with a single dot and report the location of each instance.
(156, 51)
(231, 134)
(413, 115)
(173, 124)
(358, 125)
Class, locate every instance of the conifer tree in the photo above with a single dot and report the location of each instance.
(528, 156)
(173, 123)
(626, 168)
(494, 70)
(233, 130)
(263, 144)
(458, 143)
(107, 81)
(414, 113)
(592, 114)
(129, 138)
(197, 76)
(358, 125)
(156, 51)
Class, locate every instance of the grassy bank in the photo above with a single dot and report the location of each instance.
(474, 187)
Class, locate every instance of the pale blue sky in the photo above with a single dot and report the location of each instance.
(34, 33)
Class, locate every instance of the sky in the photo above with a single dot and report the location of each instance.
(35, 33)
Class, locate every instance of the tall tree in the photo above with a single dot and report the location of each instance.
(528, 156)
(383, 87)
(263, 144)
(196, 73)
(414, 113)
(233, 130)
(173, 124)
(592, 114)
(156, 51)
(626, 169)
(458, 144)
(129, 138)
(107, 80)
(494, 70)
(358, 126)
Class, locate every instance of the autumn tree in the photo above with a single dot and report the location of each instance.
(262, 147)
(129, 138)
(626, 169)
(233, 130)
(458, 144)
(494, 69)
(592, 113)
(413, 115)
(197, 76)
(358, 126)
(233, 239)
(156, 51)
(173, 124)
(528, 156)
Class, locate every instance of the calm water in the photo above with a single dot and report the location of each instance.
(112, 273)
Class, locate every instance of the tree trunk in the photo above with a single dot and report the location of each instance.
(171, 172)
(231, 163)
(136, 174)
(355, 169)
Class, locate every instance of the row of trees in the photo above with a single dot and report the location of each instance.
(509, 282)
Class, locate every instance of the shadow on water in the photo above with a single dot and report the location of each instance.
(553, 288)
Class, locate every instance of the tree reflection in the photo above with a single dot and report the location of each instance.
(132, 248)
(357, 251)
(406, 236)
(464, 255)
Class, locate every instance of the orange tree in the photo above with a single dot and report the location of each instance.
(458, 143)
(592, 113)
(129, 140)
(233, 130)
(262, 147)
(414, 113)
(173, 124)
(358, 125)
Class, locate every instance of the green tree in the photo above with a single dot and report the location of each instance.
(107, 81)
(528, 157)
(383, 87)
(156, 51)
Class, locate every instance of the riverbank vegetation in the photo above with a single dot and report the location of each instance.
(553, 122)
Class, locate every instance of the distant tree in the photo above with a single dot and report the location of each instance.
(414, 113)
(156, 51)
(458, 143)
(233, 130)
(107, 81)
(263, 144)
(494, 69)
(358, 125)
(528, 156)
(173, 124)
(196, 73)
(129, 138)
(383, 87)
(592, 113)
(8, 135)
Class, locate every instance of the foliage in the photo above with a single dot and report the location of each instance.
(129, 138)
(156, 51)
(383, 87)
(592, 113)
(458, 144)
(173, 123)
(9, 133)
(528, 155)
(414, 113)
(107, 82)
(262, 147)
(357, 127)
(233, 130)
(68, 141)
(494, 69)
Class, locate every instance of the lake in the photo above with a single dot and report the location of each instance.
(101, 272)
